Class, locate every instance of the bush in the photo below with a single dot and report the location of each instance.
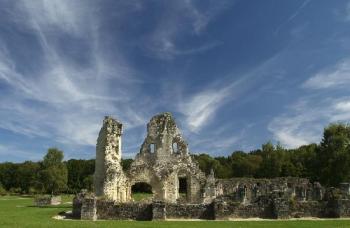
(33, 191)
(2, 191)
(15, 190)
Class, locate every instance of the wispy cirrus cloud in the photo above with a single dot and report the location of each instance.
(164, 42)
(293, 15)
(304, 125)
(66, 95)
(337, 76)
(10, 152)
(65, 98)
(305, 120)
(301, 125)
(200, 108)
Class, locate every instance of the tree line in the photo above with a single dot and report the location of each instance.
(327, 162)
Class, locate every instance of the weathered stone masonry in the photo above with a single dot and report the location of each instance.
(109, 178)
(164, 161)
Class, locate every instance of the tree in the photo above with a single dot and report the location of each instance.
(333, 155)
(27, 174)
(207, 163)
(244, 164)
(273, 158)
(304, 161)
(78, 171)
(54, 174)
(8, 172)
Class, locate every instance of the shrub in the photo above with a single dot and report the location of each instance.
(2, 190)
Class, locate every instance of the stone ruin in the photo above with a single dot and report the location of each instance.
(165, 164)
(162, 162)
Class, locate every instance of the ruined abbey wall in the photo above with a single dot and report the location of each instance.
(109, 178)
(164, 161)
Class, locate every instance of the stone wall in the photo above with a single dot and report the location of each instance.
(164, 162)
(223, 208)
(248, 190)
(91, 208)
(163, 159)
(45, 200)
(189, 211)
(123, 211)
(109, 178)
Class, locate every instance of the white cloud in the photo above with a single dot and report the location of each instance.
(67, 16)
(201, 107)
(343, 106)
(299, 126)
(63, 100)
(338, 76)
(10, 153)
(164, 42)
(304, 121)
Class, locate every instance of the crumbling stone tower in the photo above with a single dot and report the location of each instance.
(165, 164)
(109, 178)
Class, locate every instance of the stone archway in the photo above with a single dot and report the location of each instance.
(141, 191)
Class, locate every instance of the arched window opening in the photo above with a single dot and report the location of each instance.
(175, 148)
(183, 187)
(152, 147)
(141, 191)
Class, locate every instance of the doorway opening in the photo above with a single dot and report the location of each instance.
(141, 191)
(183, 188)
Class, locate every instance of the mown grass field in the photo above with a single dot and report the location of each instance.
(141, 196)
(19, 212)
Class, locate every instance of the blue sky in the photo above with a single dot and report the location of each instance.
(235, 74)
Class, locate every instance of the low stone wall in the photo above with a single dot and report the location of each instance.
(45, 200)
(189, 211)
(306, 209)
(123, 211)
(272, 207)
(344, 208)
(226, 208)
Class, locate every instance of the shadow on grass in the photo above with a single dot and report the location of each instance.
(52, 206)
(18, 195)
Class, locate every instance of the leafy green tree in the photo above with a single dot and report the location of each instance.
(244, 164)
(207, 163)
(54, 175)
(89, 182)
(333, 155)
(78, 170)
(8, 173)
(304, 161)
(273, 158)
(224, 170)
(27, 174)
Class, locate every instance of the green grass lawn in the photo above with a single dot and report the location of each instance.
(19, 212)
(140, 196)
